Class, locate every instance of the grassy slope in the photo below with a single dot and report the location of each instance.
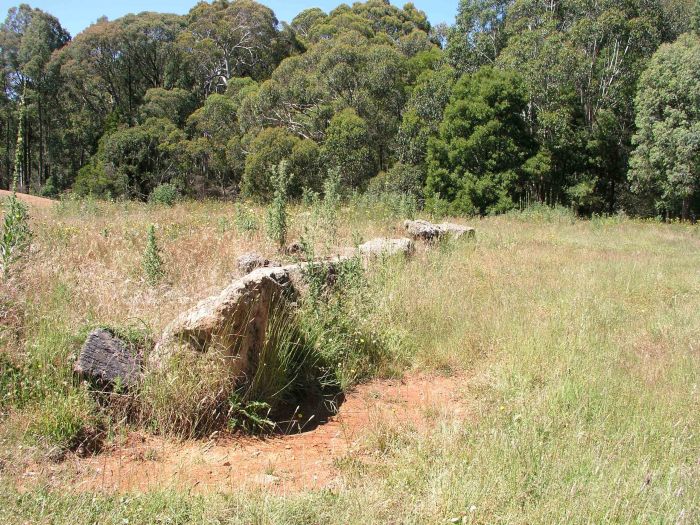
(583, 338)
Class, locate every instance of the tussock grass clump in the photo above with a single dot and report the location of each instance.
(290, 372)
(187, 396)
(337, 313)
(66, 421)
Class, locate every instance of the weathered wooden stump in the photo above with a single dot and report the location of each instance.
(106, 360)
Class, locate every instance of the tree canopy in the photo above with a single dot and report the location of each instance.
(518, 101)
(666, 161)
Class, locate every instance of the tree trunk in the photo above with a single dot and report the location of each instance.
(28, 162)
(685, 208)
(8, 144)
(41, 143)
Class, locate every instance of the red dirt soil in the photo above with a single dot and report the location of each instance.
(32, 200)
(285, 463)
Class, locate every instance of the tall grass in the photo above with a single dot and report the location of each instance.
(578, 340)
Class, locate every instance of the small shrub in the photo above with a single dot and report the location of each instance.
(245, 220)
(322, 222)
(402, 178)
(250, 417)
(277, 211)
(334, 314)
(330, 205)
(152, 260)
(15, 234)
(165, 194)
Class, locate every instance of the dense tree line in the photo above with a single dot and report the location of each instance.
(568, 101)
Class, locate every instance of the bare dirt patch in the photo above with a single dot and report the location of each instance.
(32, 200)
(283, 463)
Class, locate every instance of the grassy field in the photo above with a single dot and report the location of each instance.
(580, 339)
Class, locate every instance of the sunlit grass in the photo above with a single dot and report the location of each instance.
(581, 340)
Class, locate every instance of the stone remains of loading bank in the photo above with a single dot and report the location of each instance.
(234, 321)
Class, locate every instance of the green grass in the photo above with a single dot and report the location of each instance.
(581, 342)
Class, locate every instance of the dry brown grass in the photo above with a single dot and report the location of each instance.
(582, 339)
(96, 249)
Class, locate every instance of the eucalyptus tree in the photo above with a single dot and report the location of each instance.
(232, 39)
(123, 59)
(666, 160)
(580, 61)
(28, 38)
(478, 35)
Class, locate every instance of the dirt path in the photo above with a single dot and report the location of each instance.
(33, 200)
(284, 463)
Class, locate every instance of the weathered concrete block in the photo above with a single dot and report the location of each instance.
(386, 247)
(422, 230)
(252, 260)
(456, 231)
(233, 323)
(427, 231)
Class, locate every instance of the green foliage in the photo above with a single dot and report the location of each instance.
(165, 194)
(333, 315)
(92, 180)
(132, 161)
(323, 219)
(479, 34)
(304, 22)
(173, 104)
(331, 203)
(65, 421)
(270, 147)
(290, 371)
(15, 234)
(582, 195)
(152, 98)
(666, 161)
(244, 219)
(348, 149)
(580, 88)
(476, 162)
(423, 114)
(153, 266)
(232, 39)
(400, 179)
(252, 417)
(277, 210)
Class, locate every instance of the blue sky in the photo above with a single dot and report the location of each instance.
(76, 15)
